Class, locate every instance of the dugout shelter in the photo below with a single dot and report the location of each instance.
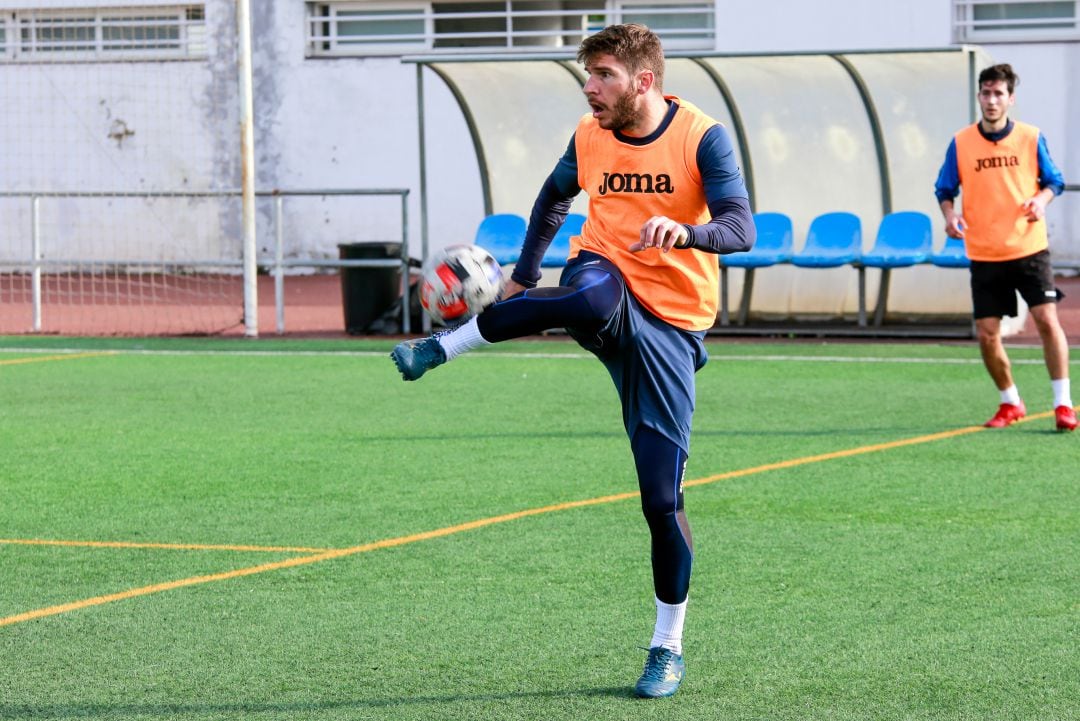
(857, 132)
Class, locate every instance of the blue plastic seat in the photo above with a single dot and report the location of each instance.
(951, 255)
(559, 250)
(501, 235)
(773, 245)
(904, 239)
(834, 239)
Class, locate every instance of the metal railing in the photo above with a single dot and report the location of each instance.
(166, 32)
(990, 21)
(280, 263)
(358, 28)
(276, 265)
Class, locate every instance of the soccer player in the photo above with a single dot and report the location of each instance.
(1008, 179)
(640, 287)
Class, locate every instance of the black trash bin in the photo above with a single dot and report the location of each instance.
(368, 293)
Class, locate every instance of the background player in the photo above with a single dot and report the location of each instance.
(1008, 179)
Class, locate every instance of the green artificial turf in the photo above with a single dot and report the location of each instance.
(838, 575)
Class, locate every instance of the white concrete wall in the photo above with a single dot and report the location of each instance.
(796, 25)
(120, 127)
(353, 123)
(1048, 96)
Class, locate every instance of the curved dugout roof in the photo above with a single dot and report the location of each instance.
(521, 116)
(859, 132)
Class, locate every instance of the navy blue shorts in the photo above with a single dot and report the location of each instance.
(651, 361)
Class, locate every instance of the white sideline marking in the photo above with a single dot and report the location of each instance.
(519, 355)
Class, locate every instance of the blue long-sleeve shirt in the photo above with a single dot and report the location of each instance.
(730, 230)
(947, 186)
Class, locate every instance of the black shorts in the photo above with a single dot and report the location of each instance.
(994, 284)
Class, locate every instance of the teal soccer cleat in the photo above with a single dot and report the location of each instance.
(664, 670)
(416, 357)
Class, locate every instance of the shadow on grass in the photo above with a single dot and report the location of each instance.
(472, 436)
(620, 434)
(1050, 430)
(172, 710)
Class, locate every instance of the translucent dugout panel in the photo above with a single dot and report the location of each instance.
(808, 143)
(690, 81)
(524, 114)
(812, 151)
(921, 100)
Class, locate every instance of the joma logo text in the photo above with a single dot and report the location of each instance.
(1001, 161)
(635, 183)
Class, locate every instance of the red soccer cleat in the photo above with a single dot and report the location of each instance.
(1006, 415)
(1066, 418)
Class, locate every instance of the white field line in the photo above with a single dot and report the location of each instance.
(539, 355)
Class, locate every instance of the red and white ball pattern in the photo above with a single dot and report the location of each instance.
(459, 282)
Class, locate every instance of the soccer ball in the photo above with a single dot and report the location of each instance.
(459, 282)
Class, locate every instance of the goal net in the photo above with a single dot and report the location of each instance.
(119, 213)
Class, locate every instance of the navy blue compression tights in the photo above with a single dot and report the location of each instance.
(586, 304)
(660, 465)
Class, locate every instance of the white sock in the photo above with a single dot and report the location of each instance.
(463, 338)
(1011, 395)
(669, 624)
(1062, 394)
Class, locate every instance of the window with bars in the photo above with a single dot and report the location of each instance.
(157, 33)
(985, 21)
(397, 28)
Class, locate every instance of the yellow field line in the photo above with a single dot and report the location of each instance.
(472, 525)
(163, 546)
(304, 560)
(159, 587)
(792, 463)
(62, 356)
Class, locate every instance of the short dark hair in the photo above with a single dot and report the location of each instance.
(997, 73)
(635, 46)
